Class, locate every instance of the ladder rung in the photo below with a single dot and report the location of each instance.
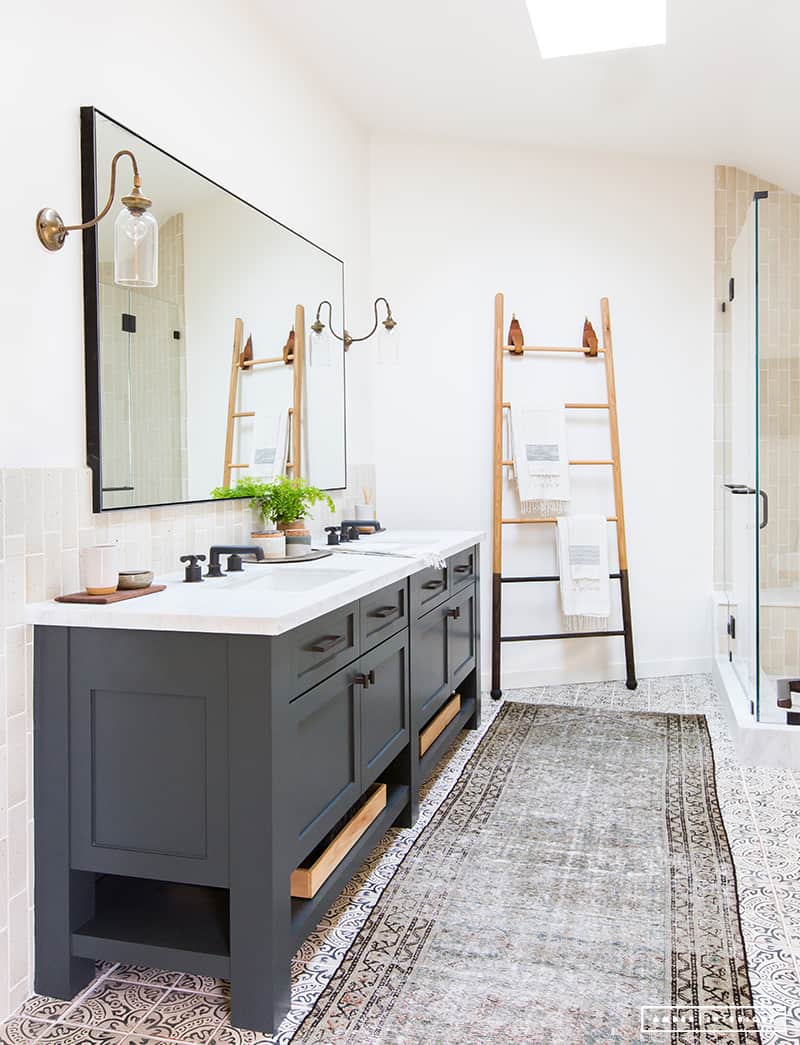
(244, 413)
(574, 406)
(529, 522)
(561, 635)
(259, 362)
(238, 466)
(549, 348)
(551, 577)
(510, 464)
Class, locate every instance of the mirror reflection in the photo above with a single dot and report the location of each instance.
(210, 376)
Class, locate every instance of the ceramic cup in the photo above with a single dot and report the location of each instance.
(100, 568)
(364, 511)
(273, 543)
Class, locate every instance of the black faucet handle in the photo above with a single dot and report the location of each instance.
(234, 563)
(194, 572)
(333, 534)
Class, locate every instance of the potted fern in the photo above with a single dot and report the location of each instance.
(281, 504)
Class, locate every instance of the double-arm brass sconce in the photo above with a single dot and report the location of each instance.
(135, 231)
(389, 323)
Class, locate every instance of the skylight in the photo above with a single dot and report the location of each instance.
(568, 27)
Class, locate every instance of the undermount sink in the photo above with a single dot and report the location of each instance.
(289, 578)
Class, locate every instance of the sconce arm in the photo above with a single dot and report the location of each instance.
(137, 184)
(346, 338)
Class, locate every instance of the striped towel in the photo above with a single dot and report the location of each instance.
(269, 446)
(538, 441)
(583, 566)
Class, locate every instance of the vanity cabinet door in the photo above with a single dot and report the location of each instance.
(383, 613)
(462, 631)
(322, 646)
(324, 743)
(430, 664)
(428, 587)
(384, 706)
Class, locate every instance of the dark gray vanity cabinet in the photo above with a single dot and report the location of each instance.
(180, 778)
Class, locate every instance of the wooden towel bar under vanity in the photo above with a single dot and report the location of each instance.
(202, 798)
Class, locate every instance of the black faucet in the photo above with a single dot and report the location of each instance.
(235, 551)
(351, 527)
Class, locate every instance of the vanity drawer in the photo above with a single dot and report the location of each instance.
(463, 568)
(324, 645)
(383, 614)
(428, 587)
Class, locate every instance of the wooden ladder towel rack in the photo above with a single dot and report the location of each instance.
(501, 461)
(240, 363)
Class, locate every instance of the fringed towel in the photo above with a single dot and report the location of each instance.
(583, 566)
(268, 453)
(538, 440)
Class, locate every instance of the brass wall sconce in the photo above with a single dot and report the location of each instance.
(135, 231)
(389, 323)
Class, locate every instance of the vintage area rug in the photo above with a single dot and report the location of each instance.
(575, 888)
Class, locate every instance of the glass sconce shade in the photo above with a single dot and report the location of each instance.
(388, 347)
(321, 348)
(135, 249)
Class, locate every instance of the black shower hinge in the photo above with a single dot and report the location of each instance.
(176, 334)
(732, 626)
(762, 194)
(731, 288)
(128, 323)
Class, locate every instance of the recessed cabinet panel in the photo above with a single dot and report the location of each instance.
(383, 614)
(430, 682)
(461, 634)
(384, 706)
(324, 745)
(462, 568)
(324, 645)
(148, 754)
(428, 587)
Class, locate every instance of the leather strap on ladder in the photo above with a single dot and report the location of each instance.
(500, 462)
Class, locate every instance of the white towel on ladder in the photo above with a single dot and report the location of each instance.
(268, 451)
(538, 441)
(583, 567)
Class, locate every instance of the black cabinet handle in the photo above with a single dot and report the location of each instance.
(455, 612)
(361, 680)
(384, 611)
(430, 585)
(371, 677)
(326, 644)
(463, 568)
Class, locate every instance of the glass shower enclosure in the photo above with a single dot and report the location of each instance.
(761, 435)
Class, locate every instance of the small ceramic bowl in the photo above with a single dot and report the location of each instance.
(131, 580)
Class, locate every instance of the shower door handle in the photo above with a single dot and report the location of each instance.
(739, 488)
(764, 509)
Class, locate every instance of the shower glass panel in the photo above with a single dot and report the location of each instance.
(762, 435)
(741, 472)
(777, 248)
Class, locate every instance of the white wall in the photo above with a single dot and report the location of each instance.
(555, 231)
(234, 104)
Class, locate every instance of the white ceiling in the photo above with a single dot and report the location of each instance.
(726, 88)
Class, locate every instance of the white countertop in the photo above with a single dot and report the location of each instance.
(266, 599)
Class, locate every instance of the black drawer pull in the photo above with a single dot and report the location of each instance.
(463, 568)
(384, 611)
(326, 644)
(430, 585)
(371, 677)
(455, 613)
(361, 680)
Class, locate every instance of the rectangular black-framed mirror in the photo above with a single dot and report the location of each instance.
(169, 414)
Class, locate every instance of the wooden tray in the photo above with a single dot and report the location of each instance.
(306, 881)
(439, 723)
(114, 596)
